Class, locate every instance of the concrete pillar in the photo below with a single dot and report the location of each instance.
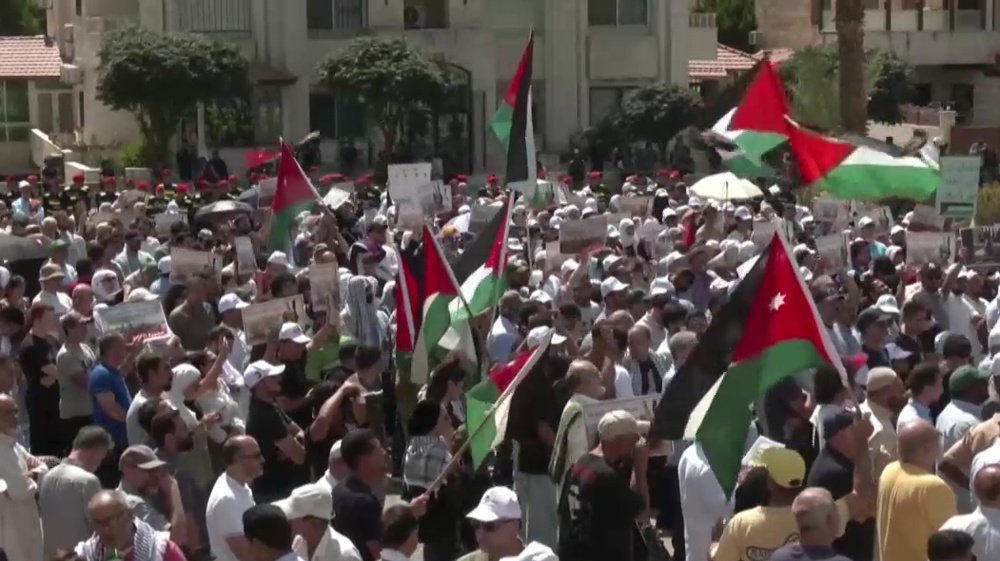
(565, 53)
(946, 120)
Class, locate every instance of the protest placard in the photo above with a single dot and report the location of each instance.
(263, 319)
(881, 215)
(982, 245)
(959, 188)
(832, 211)
(246, 261)
(165, 220)
(324, 285)
(643, 408)
(265, 192)
(930, 247)
(406, 179)
(337, 196)
(832, 250)
(577, 236)
(187, 262)
(136, 321)
(636, 206)
(926, 218)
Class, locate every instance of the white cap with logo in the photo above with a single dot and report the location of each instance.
(293, 332)
(307, 500)
(259, 370)
(231, 302)
(498, 503)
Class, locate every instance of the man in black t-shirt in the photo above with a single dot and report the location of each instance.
(38, 363)
(280, 439)
(598, 510)
(833, 470)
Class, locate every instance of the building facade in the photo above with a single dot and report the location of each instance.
(588, 54)
(954, 47)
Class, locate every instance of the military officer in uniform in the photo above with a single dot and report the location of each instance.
(596, 184)
(106, 193)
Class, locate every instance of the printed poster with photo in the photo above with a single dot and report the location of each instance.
(982, 245)
(930, 247)
(832, 211)
(263, 319)
(926, 219)
(324, 285)
(636, 206)
(643, 408)
(575, 237)
(246, 261)
(163, 221)
(881, 215)
(833, 250)
(136, 321)
(186, 262)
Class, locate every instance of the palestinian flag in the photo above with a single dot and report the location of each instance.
(409, 296)
(438, 333)
(767, 331)
(482, 267)
(294, 193)
(503, 119)
(842, 169)
(745, 161)
(515, 125)
(489, 403)
(849, 171)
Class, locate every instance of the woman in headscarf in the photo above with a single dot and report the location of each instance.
(360, 316)
(626, 236)
(194, 377)
(107, 289)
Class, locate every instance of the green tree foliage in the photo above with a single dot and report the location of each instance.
(735, 19)
(657, 112)
(811, 77)
(21, 17)
(395, 81)
(161, 77)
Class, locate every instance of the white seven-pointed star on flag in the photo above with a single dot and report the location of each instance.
(777, 302)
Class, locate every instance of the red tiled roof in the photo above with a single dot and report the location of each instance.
(28, 57)
(727, 59)
(776, 55)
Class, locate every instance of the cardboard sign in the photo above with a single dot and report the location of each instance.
(578, 236)
(930, 247)
(982, 245)
(263, 319)
(959, 188)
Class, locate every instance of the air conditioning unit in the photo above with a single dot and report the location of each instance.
(70, 74)
(753, 38)
(415, 17)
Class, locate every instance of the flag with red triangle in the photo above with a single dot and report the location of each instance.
(766, 332)
(293, 194)
(439, 334)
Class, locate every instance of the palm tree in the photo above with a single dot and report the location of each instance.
(851, 46)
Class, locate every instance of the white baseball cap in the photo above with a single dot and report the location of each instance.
(611, 285)
(141, 295)
(231, 302)
(743, 213)
(293, 332)
(278, 258)
(540, 296)
(865, 221)
(259, 370)
(164, 265)
(307, 500)
(617, 423)
(498, 503)
(538, 334)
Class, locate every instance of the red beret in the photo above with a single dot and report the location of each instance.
(159, 189)
(183, 187)
(663, 172)
(32, 177)
(79, 178)
(202, 184)
(675, 174)
(142, 186)
(109, 179)
(491, 178)
(462, 177)
(595, 175)
(566, 179)
(233, 178)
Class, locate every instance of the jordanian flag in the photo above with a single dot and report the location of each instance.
(766, 332)
(438, 334)
(293, 194)
(842, 169)
(482, 267)
(492, 403)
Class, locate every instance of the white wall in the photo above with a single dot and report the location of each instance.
(15, 156)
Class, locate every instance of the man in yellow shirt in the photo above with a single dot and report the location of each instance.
(913, 502)
(755, 534)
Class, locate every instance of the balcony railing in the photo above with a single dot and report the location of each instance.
(326, 16)
(207, 16)
(705, 20)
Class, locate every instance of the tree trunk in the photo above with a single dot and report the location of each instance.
(851, 47)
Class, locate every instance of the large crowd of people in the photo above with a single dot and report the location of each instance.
(314, 444)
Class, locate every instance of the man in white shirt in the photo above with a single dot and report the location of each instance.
(51, 277)
(704, 504)
(231, 497)
(969, 390)
(309, 509)
(983, 524)
(336, 471)
(231, 310)
(504, 334)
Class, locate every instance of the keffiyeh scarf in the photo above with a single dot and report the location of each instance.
(147, 545)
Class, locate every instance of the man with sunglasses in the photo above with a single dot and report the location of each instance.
(497, 522)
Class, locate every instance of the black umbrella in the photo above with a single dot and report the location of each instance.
(16, 248)
(221, 208)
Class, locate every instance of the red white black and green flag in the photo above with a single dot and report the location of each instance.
(293, 194)
(766, 332)
(482, 268)
(512, 124)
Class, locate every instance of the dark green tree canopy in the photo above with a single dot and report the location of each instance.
(21, 17)
(389, 76)
(735, 20)
(657, 112)
(159, 77)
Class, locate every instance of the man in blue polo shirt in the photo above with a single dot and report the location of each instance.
(110, 399)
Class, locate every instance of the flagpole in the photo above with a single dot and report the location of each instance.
(542, 347)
